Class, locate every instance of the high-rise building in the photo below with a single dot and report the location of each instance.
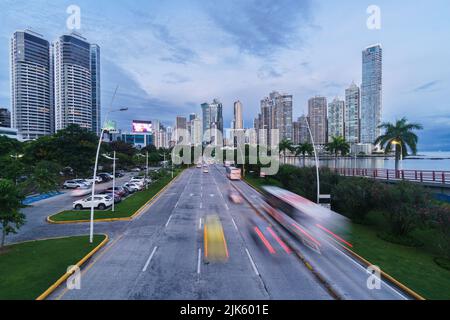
(282, 114)
(31, 85)
(336, 111)
(197, 131)
(73, 82)
(371, 93)
(95, 85)
(317, 115)
(5, 118)
(212, 120)
(352, 114)
(180, 129)
(300, 130)
(238, 122)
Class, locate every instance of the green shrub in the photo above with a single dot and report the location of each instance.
(441, 217)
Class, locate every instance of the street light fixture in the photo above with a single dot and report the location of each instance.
(396, 142)
(91, 227)
(146, 167)
(316, 160)
(114, 174)
(16, 156)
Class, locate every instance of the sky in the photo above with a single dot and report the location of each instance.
(168, 57)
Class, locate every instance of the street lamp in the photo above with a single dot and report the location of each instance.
(146, 167)
(16, 156)
(91, 228)
(114, 174)
(396, 142)
(316, 160)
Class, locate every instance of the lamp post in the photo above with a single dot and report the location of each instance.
(16, 156)
(91, 227)
(146, 167)
(396, 142)
(316, 160)
(114, 175)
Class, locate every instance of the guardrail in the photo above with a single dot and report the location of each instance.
(424, 176)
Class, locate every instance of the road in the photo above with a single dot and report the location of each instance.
(160, 254)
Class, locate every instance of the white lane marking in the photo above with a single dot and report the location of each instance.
(211, 194)
(199, 260)
(201, 205)
(251, 261)
(168, 221)
(149, 259)
(200, 222)
(191, 195)
(234, 224)
(176, 205)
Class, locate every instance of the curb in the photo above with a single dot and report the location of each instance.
(138, 211)
(388, 277)
(64, 277)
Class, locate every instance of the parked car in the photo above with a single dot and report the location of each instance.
(97, 180)
(205, 170)
(82, 191)
(100, 201)
(105, 177)
(117, 197)
(133, 187)
(119, 190)
(136, 170)
(119, 174)
(129, 189)
(73, 184)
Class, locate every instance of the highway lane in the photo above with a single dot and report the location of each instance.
(160, 255)
(347, 277)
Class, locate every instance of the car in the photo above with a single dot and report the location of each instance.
(205, 170)
(119, 174)
(138, 185)
(73, 184)
(141, 180)
(105, 177)
(129, 189)
(97, 180)
(117, 197)
(136, 170)
(82, 191)
(199, 165)
(101, 201)
(132, 186)
(235, 197)
(119, 190)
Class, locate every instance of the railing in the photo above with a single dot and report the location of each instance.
(425, 176)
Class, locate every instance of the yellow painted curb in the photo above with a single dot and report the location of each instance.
(53, 287)
(397, 283)
(50, 220)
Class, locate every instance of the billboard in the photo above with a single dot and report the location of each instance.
(142, 126)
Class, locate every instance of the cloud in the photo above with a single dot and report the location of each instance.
(174, 78)
(427, 86)
(268, 72)
(260, 27)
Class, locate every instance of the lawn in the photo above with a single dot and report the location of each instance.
(124, 209)
(28, 269)
(414, 267)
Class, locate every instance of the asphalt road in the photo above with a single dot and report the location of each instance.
(160, 255)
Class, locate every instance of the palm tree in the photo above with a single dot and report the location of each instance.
(285, 145)
(337, 146)
(401, 135)
(303, 149)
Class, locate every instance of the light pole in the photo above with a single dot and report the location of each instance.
(16, 156)
(114, 175)
(146, 167)
(91, 227)
(317, 161)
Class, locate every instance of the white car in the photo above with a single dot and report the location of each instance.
(133, 186)
(205, 170)
(73, 184)
(101, 201)
(97, 180)
(138, 181)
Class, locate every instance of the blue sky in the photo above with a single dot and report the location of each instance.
(169, 57)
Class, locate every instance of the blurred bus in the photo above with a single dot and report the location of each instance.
(233, 173)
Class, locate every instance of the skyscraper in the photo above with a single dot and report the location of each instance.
(371, 92)
(5, 118)
(336, 110)
(197, 132)
(282, 114)
(317, 115)
(31, 85)
(73, 82)
(237, 121)
(352, 114)
(95, 85)
(300, 132)
(212, 120)
(180, 129)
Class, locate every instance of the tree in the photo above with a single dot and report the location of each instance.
(337, 146)
(45, 176)
(402, 135)
(11, 219)
(9, 146)
(303, 149)
(285, 145)
(442, 218)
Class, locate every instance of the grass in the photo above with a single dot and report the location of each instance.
(28, 269)
(124, 209)
(415, 267)
(257, 183)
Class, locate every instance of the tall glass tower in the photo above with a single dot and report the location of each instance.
(31, 85)
(352, 113)
(212, 120)
(371, 93)
(95, 85)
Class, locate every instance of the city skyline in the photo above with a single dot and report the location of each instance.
(291, 59)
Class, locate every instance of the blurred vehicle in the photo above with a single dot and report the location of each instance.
(235, 197)
(205, 170)
(214, 240)
(97, 180)
(233, 173)
(129, 189)
(119, 190)
(73, 184)
(119, 174)
(136, 170)
(81, 191)
(199, 165)
(105, 176)
(101, 201)
(132, 186)
(139, 182)
(117, 197)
